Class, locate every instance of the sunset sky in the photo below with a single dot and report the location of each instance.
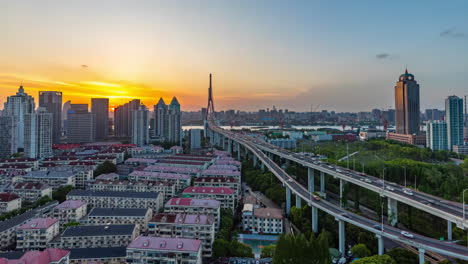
(341, 55)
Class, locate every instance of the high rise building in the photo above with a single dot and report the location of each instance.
(38, 133)
(167, 122)
(140, 135)
(407, 105)
(174, 124)
(123, 118)
(65, 108)
(52, 102)
(18, 105)
(100, 108)
(454, 119)
(195, 138)
(8, 140)
(436, 135)
(81, 125)
(160, 120)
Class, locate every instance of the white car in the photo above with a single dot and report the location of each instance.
(290, 180)
(367, 180)
(408, 192)
(338, 170)
(389, 188)
(406, 234)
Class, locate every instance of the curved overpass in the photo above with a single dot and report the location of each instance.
(341, 215)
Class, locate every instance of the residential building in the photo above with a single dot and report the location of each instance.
(461, 149)
(195, 206)
(167, 124)
(164, 250)
(65, 108)
(100, 109)
(8, 137)
(54, 179)
(81, 125)
(160, 120)
(28, 191)
(120, 216)
(110, 199)
(226, 196)
(114, 255)
(407, 110)
(436, 135)
(179, 181)
(51, 101)
(47, 256)
(69, 211)
(201, 227)
(96, 236)
(419, 140)
(36, 233)
(29, 162)
(195, 138)
(262, 220)
(38, 134)
(17, 106)
(236, 260)
(229, 182)
(164, 187)
(9, 202)
(140, 135)
(455, 121)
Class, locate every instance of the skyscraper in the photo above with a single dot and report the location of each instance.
(160, 120)
(436, 134)
(195, 138)
(174, 125)
(407, 105)
(140, 135)
(123, 118)
(18, 105)
(65, 108)
(38, 134)
(100, 108)
(8, 141)
(52, 102)
(80, 124)
(454, 119)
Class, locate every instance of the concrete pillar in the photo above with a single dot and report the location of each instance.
(288, 201)
(255, 160)
(310, 179)
(421, 255)
(298, 201)
(229, 145)
(238, 152)
(380, 244)
(322, 182)
(449, 230)
(262, 166)
(341, 235)
(341, 192)
(392, 211)
(314, 219)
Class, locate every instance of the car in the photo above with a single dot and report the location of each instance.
(408, 191)
(362, 179)
(331, 167)
(338, 170)
(316, 197)
(407, 234)
(344, 215)
(378, 227)
(389, 188)
(367, 180)
(290, 180)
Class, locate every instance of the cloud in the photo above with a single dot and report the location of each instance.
(453, 33)
(84, 66)
(382, 56)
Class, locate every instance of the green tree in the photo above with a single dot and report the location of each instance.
(105, 167)
(71, 224)
(268, 251)
(238, 249)
(60, 194)
(360, 251)
(403, 256)
(384, 259)
(297, 249)
(220, 248)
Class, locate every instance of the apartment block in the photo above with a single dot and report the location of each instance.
(262, 220)
(54, 179)
(180, 181)
(119, 216)
(69, 211)
(47, 256)
(114, 255)
(36, 233)
(9, 202)
(226, 196)
(229, 182)
(195, 206)
(28, 191)
(163, 187)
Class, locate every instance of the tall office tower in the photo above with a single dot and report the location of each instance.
(123, 118)
(140, 135)
(18, 105)
(8, 141)
(436, 135)
(52, 102)
(65, 108)
(466, 123)
(81, 125)
(160, 120)
(454, 119)
(174, 124)
(38, 133)
(195, 138)
(407, 105)
(100, 108)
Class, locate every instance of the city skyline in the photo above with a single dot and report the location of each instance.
(307, 56)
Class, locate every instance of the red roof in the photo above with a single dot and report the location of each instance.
(7, 197)
(39, 257)
(38, 223)
(217, 179)
(208, 190)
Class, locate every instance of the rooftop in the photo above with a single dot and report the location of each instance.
(47, 256)
(38, 223)
(162, 175)
(19, 219)
(49, 174)
(208, 190)
(145, 195)
(118, 212)
(191, 202)
(70, 204)
(268, 213)
(28, 186)
(166, 244)
(98, 230)
(97, 253)
(8, 197)
(186, 219)
(217, 179)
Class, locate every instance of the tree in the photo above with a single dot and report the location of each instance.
(71, 224)
(105, 167)
(360, 251)
(60, 194)
(268, 251)
(403, 256)
(297, 249)
(220, 248)
(384, 259)
(241, 250)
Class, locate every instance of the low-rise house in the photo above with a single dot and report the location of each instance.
(195, 206)
(164, 250)
(113, 255)
(119, 216)
(9, 202)
(69, 211)
(200, 227)
(28, 191)
(29, 162)
(36, 233)
(226, 196)
(110, 199)
(54, 179)
(164, 187)
(96, 236)
(262, 220)
(48, 256)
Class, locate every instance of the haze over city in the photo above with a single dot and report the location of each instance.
(345, 56)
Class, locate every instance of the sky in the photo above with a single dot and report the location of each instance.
(298, 55)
